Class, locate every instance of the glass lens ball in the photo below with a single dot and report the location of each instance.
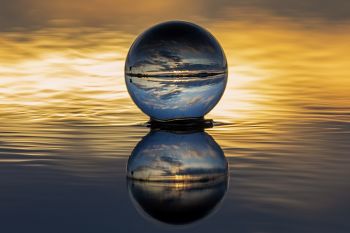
(166, 156)
(176, 70)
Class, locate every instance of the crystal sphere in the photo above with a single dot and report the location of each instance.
(167, 156)
(176, 70)
(177, 204)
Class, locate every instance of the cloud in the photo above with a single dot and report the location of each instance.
(135, 15)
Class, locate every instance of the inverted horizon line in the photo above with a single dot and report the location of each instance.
(176, 74)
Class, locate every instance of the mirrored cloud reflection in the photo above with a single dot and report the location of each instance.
(177, 177)
(175, 97)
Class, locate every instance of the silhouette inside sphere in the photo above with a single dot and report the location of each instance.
(177, 203)
(177, 177)
(176, 70)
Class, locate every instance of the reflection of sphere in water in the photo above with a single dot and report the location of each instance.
(184, 157)
(177, 177)
(176, 70)
(174, 203)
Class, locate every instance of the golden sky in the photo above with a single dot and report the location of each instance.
(125, 14)
(281, 57)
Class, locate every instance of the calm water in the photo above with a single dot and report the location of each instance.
(68, 126)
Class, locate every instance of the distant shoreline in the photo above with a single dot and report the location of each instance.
(194, 74)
